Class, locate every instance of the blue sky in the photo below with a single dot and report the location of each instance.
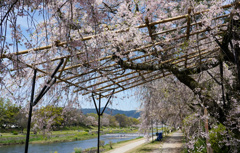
(125, 100)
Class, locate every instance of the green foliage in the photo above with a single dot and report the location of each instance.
(102, 143)
(14, 132)
(50, 111)
(134, 121)
(189, 123)
(112, 121)
(84, 133)
(188, 120)
(216, 137)
(78, 150)
(200, 146)
(8, 113)
(91, 150)
(22, 120)
(125, 121)
(110, 144)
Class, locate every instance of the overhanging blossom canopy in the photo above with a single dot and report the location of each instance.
(114, 66)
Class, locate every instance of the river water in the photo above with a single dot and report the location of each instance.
(66, 147)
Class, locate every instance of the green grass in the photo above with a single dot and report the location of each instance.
(10, 135)
(60, 136)
(185, 150)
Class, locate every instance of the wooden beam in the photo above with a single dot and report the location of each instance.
(175, 29)
(114, 82)
(163, 62)
(176, 62)
(148, 72)
(62, 80)
(152, 79)
(145, 55)
(178, 17)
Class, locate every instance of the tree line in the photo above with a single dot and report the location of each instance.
(55, 118)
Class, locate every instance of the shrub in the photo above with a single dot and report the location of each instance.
(200, 146)
(90, 150)
(85, 133)
(110, 144)
(14, 132)
(82, 133)
(216, 139)
(78, 150)
(102, 143)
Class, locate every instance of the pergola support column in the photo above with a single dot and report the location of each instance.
(100, 113)
(40, 95)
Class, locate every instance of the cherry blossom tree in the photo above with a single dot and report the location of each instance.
(165, 101)
(122, 30)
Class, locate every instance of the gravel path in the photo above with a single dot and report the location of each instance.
(173, 144)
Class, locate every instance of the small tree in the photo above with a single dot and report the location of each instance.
(21, 119)
(91, 121)
(105, 120)
(46, 118)
(122, 119)
(8, 113)
(112, 120)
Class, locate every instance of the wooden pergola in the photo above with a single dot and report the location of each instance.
(112, 76)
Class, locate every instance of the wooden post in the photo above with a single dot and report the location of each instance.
(209, 149)
(188, 33)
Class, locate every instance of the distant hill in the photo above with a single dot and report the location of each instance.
(131, 113)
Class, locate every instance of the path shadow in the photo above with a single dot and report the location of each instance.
(171, 150)
(173, 139)
(146, 150)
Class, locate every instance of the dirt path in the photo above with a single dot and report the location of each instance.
(173, 144)
(127, 147)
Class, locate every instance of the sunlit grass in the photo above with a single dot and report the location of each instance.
(62, 135)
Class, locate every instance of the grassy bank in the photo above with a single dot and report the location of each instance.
(60, 136)
(108, 147)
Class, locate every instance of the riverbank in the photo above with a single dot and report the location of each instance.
(69, 147)
(125, 146)
(60, 136)
(111, 146)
